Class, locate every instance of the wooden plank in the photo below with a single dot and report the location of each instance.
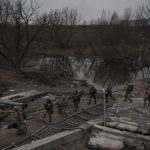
(11, 103)
(24, 96)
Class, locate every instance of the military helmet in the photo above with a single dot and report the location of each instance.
(63, 97)
(17, 108)
(47, 98)
(109, 83)
(76, 91)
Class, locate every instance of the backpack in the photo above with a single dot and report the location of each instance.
(24, 115)
(130, 88)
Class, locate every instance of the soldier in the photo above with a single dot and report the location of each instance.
(49, 108)
(129, 89)
(63, 106)
(109, 92)
(93, 93)
(19, 119)
(1, 93)
(147, 95)
(59, 107)
(76, 100)
(24, 112)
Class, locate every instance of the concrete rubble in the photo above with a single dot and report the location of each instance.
(104, 140)
(108, 138)
(54, 141)
(122, 124)
(20, 98)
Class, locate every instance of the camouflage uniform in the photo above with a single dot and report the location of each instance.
(76, 100)
(147, 95)
(1, 93)
(109, 92)
(93, 93)
(129, 89)
(24, 112)
(63, 106)
(49, 109)
(19, 119)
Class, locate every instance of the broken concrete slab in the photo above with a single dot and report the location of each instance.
(104, 140)
(9, 103)
(126, 134)
(144, 128)
(122, 124)
(111, 136)
(24, 96)
(52, 142)
(98, 120)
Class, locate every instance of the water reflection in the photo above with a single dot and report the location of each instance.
(94, 70)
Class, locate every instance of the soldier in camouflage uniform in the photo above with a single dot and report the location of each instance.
(147, 95)
(19, 119)
(49, 108)
(109, 92)
(76, 100)
(129, 89)
(93, 93)
(63, 105)
(1, 93)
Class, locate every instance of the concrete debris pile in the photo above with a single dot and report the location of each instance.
(122, 123)
(107, 138)
(126, 124)
(104, 140)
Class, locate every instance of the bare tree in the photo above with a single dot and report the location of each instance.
(61, 24)
(143, 21)
(17, 31)
(117, 42)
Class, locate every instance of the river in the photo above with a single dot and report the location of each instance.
(91, 69)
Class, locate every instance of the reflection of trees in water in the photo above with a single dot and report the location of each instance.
(115, 72)
(61, 63)
(90, 68)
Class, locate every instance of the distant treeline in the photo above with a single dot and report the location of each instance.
(116, 38)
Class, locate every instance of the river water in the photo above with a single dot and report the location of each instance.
(91, 69)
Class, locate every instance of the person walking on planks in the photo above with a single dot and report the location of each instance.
(93, 93)
(109, 91)
(147, 95)
(1, 93)
(49, 108)
(19, 119)
(76, 100)
(63, 106)
(129, 89)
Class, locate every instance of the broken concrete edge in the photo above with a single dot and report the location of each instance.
(17, 94)
(123, 133)
(32, 97)
(54, 141)
(11, 103)
(27, 96)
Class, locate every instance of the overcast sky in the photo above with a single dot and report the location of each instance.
(89, 8)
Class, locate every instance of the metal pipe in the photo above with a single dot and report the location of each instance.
(104, 107)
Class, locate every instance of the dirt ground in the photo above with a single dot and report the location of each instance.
(35, 123)
(133, 111)
(18, 83)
